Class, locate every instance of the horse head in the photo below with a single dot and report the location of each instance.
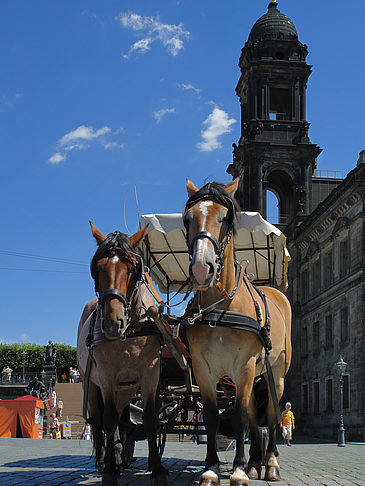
(209, 218)
(116, 269)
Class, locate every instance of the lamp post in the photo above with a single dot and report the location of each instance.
(24, 354)
(341, 367)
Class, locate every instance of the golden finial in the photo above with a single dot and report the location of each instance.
(273, 1)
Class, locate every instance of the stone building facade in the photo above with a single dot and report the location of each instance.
(323, 219)
(327, 292)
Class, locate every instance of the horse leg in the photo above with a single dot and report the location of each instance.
(255, 461)
(208, 385)
(110, 422)
(149, 385)
(244, 383)
(95, 409)
(272, 469)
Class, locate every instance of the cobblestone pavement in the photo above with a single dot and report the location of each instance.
(33, 462)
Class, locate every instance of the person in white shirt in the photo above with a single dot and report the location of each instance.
(54, 398)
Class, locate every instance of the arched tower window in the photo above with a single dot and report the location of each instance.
(280, 183)
(272, 207)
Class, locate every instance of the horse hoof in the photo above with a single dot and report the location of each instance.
(109, 479)
(161, 480)
(254, 473)
(272, 473)
(240, 482)
(208, 482)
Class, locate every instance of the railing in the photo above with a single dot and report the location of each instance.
(329, 174)
(276, 219)
(17, 378)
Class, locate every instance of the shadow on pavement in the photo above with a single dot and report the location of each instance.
(54, 462)
(302, 440)
(80, 469)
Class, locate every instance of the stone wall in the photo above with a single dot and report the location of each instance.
(327, 288)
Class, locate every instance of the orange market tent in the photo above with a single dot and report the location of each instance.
(21, 417)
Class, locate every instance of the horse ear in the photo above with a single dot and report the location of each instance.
(98, 235)
(232, 187)
(191, 188)
(136, 239)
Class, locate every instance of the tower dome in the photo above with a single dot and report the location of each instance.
(273, 25)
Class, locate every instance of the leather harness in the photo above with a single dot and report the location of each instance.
(213, 317)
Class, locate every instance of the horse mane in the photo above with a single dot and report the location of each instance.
(216, 191)
(119, 244)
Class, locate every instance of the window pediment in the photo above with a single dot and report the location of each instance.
(341, 223)
(313, 248)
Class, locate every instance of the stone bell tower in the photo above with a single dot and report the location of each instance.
(274, 151)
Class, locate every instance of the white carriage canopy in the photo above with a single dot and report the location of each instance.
(257, 241)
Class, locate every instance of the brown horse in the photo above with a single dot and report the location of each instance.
(124, 348)
(220, 347)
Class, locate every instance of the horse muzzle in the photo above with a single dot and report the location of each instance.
(113, 329)
(203, 270)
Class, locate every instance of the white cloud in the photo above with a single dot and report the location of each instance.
(113, 145)
(216, 125)
(24, 338)
(82, 133)
(189, 87)
(171, 36)
(158, 115)
(82, 137)
(56, 158)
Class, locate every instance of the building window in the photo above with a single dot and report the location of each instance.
(316, 277)
(315, 336)
(280, 104)
(329, 331)
(344, 258)
(304, 343)
(329, 394)
(316, 397)
(328, 269)
(345, 331)
(305, 286)
(305, 398)
(346, 392)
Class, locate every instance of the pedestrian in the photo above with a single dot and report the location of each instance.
(53, 381)
(8, 372)
(63, 377)
(77, 376)
(54, 426)
(86, 433)
(59, 410)
(54, 398)
(287, 424)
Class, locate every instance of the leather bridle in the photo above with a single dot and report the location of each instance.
(205, 195)
(115, 244)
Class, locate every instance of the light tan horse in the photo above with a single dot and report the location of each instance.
(121, 362)
(217, 350)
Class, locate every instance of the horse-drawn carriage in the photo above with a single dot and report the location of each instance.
(234, 335)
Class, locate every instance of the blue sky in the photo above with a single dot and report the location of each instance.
(99, 97)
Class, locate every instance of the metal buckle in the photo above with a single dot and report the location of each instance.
(212, 325)
(175, 331)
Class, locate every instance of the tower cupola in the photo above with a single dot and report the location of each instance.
(274, 151)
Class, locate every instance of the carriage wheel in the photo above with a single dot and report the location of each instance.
(128, 451)
(161, 440)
